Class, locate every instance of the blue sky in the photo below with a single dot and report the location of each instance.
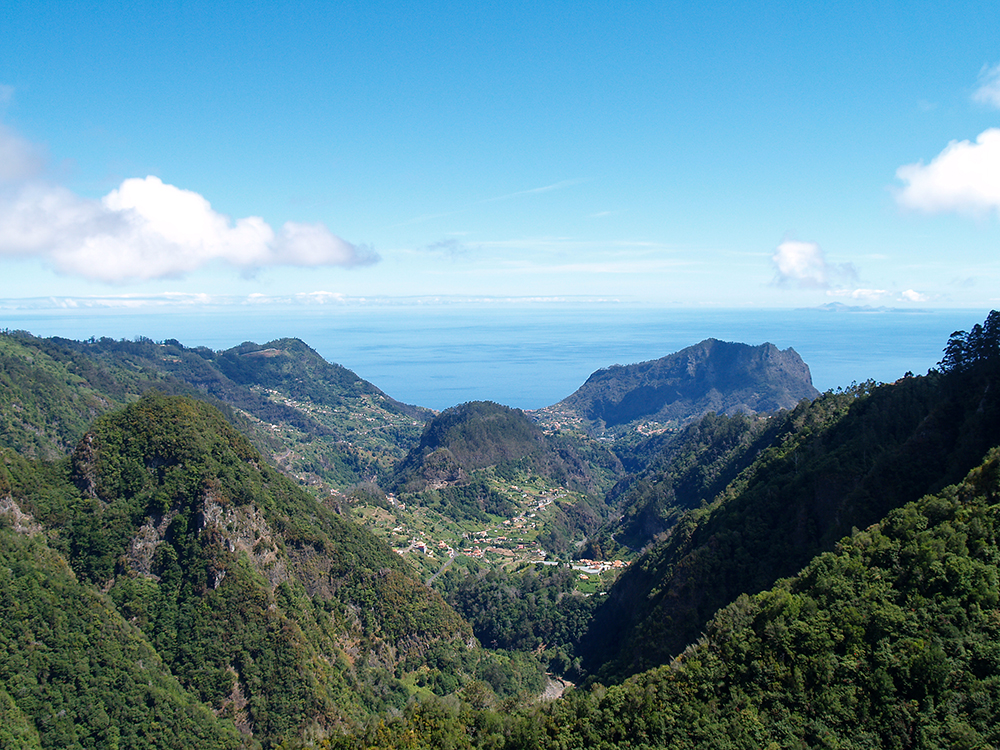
(670, 154)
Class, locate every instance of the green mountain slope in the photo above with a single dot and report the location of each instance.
(685, 470)
(267, 606)
(49, 395)
(316, 420)
(481, 434)
(471, 457)
(73, 672)
(843, 461)
(889, 641)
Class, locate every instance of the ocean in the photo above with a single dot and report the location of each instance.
(527, 355)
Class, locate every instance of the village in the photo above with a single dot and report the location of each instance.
(433, 544)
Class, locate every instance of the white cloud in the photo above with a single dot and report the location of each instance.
(988, 91)
(144, 229)
(320, 298)
(875, 295)
(804, 264)
(965, 177)
(868, 295)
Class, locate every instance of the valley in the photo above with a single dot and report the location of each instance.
(309, 563)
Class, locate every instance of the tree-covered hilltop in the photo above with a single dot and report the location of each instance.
(270, 608)
(481, 434)
(467, 451)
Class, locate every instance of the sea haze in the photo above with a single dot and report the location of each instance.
(528, 356)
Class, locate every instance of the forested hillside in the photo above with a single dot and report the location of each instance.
(74, 672)
(891, 640)
(820, 576)
(841, 461)
(319, 421)
(887, 639)
(267, 607)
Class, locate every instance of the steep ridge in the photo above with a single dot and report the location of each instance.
(889, 640)
(843, 461)
(686, 470)
(318, 421)
(73, 672)
(267, 606)
(712, 376)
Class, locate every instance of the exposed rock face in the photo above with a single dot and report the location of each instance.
(21, 522)
(713, 376)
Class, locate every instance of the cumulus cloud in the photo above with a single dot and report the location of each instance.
(965, 178)
(988, 91)
(803, 264)
(144, 229)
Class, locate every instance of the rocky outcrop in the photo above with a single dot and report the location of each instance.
(713, 376)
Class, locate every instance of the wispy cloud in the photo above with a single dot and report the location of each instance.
(449, 246)
(804, 265)
(988, 91)
(965, 178)
(533, 191)
(144, 229)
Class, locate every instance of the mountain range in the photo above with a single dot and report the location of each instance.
(198, 551)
